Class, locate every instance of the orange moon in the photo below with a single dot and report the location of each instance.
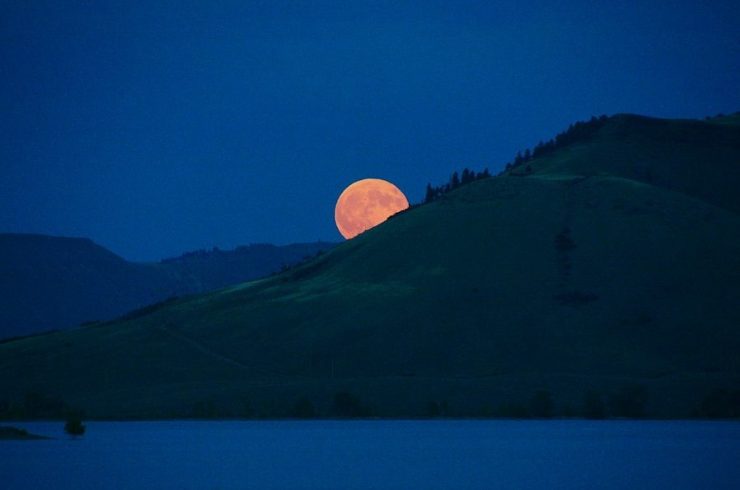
(367, 203)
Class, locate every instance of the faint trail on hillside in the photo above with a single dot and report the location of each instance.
(225, 359)
(202, 348)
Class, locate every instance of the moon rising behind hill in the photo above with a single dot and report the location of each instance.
(365, 204)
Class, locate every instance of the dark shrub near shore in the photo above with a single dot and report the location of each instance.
(303, 409)
(720, 404)
(74, 425)
(347, 405)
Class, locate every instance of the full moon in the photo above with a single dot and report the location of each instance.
(367, 203)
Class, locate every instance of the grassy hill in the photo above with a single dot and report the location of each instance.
(603, 280)
(56, 282)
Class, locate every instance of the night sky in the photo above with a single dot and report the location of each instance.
(156, 129)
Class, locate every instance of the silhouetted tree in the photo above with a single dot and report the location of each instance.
(518, 159)
(454, 180)
(467, 176)
(630, 402)
(433, 409)
(568, 411)
(348, 405)
(538, 149)
(205, 409)
(511, 411)
(246, 411)
(541, 405)
(38, 406)
(720, 404)
(593, 406)
(74, 425)
(303, 409)
(437, 409)
(430, 194)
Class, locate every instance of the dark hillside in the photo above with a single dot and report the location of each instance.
(583, 286)
(55, 283)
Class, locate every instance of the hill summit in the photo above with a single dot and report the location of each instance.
(598, 279)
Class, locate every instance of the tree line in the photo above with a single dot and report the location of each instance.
(626, 401)
(456, 180)
(579, 131)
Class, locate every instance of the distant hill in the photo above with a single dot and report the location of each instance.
(212, 269)
(603, 280)
(54, 283)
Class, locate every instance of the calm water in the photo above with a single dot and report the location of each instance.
(377, 454)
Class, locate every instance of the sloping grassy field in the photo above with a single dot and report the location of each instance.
(612, 267)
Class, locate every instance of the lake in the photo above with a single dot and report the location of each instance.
(445, 454)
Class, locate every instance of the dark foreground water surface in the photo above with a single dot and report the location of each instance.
(378, 455)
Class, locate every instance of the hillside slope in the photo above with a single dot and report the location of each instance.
(55, 282)
(574, 282)
(698, 158)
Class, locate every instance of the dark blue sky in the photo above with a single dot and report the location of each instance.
(166, 126)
